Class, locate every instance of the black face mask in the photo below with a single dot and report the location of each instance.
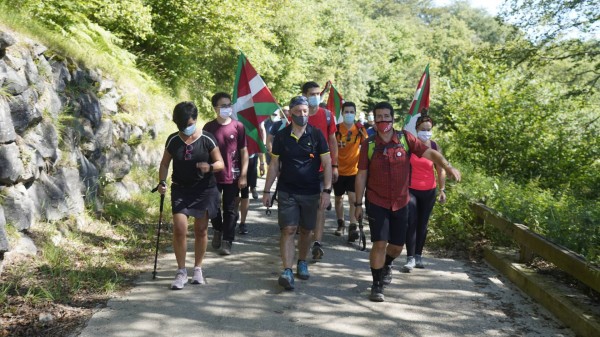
(300, 120)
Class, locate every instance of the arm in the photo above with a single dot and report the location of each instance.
(327, 171)
(441, 181)
(272, 173)
(269, 143)
(217, 162)
(333, 148)
(244, 169)
(360, 183)
(439, 160)
(163, 172)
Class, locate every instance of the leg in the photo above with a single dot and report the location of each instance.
(352, 201)
(244, 205)
(201, 239)
(287, 247)
(230, 193)
(303, 243)
(180, 224)
(339, 212)
(180, 247)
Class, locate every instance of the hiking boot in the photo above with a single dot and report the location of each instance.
(353, 232)
(419, 262)
(341, 228)
(317, 251)
(254, 194)
(387, 275)
(216, 240)
(243, 229)
(410, 264)
(180, 279)
(198, 278)
(286, 279)
(302, 270)
(377, 293)
(225, 248)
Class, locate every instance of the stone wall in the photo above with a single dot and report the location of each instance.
(59, 137)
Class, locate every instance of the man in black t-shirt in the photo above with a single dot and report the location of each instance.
(300, 150)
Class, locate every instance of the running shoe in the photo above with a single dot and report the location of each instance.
(198, 278)
(286, 279)
(180, 280)
(410, 264)
(302, 270)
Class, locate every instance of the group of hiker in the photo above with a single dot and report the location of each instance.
(396, 176)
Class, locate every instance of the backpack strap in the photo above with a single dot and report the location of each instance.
(401, 138)
(327, 116)
(434, 145)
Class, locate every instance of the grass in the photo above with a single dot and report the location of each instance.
(92, 47)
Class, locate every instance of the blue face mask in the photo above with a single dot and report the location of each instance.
(189, 130)
(349, 118)
(314, 101)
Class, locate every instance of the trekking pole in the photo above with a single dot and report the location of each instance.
(268, 211)
(162, 202)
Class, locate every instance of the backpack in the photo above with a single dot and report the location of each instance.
(403, 143)
(361, 131)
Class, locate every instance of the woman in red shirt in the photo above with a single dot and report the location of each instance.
(422, 195)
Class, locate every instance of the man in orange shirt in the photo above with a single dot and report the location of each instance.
(350, 134)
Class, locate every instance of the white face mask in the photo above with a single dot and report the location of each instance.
(424, 135)
(225, 112)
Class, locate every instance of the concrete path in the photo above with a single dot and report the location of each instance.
(242, 298)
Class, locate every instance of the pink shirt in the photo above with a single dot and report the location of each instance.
(422, 174)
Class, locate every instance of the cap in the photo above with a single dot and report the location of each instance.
(298, 100)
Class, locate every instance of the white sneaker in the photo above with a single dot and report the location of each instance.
(198, 277)
(180, 279)
(410, 264)
(419, 262)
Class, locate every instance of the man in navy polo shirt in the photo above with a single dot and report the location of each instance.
(300, 149)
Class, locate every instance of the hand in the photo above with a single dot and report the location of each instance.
(334, 174)
(242, 182)
(325, 199)
(358, 212)
(442, 197)
(204, 167)
(162, 188)
(453, 173)
(262, 169)
(266, 199)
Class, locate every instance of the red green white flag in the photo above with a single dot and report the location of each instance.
(252, 103)
(334, 101)
(420, 102)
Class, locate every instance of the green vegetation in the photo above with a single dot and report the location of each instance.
(515, 97)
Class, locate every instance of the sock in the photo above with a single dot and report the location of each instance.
(300, 261)
(389, 260)
(340, 222)
(377, 275)
(317, 243)
(183, 270)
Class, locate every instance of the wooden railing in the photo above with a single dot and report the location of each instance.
(531, 244)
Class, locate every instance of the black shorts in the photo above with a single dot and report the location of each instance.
(386, 225)
(194, 201)
(344, 184)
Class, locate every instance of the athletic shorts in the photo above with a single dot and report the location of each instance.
(297, 210)
(344, 184)
(386, 225)
(194, 201)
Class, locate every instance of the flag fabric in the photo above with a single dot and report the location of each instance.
(420, 102)
(334, 102)
(252, 103)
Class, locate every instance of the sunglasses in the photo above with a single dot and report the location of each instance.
(188, 152)
(349, 136)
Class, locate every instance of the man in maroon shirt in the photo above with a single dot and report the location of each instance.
(386, 176)
(231, 139)
(318, 117)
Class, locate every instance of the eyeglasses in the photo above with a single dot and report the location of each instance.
(188, 152)
(224, 106)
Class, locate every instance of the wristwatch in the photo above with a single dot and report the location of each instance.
(327, 190)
